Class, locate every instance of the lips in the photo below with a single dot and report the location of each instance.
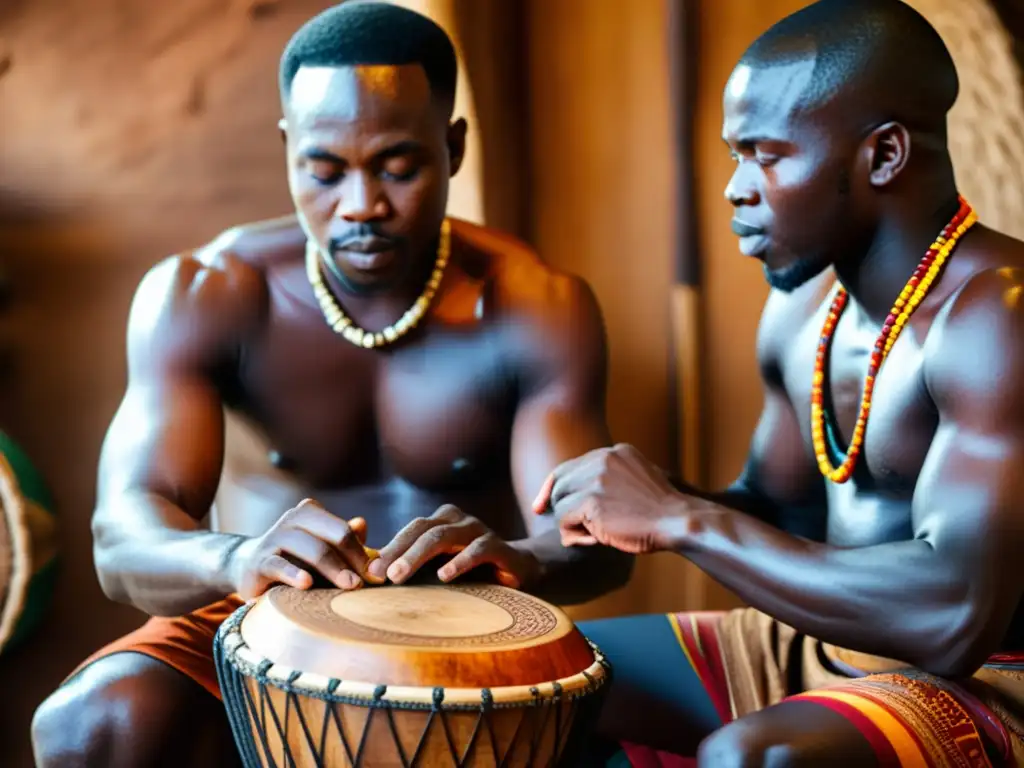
(367, 245)
(742, 229)
(753, 240)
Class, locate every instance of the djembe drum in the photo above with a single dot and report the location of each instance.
(432, 676)
(28, 546)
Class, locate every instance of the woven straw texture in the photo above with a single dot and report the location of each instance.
(987, 123)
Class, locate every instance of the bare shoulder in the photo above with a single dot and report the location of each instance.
(262, 244)
(975, 347)
(521, 287)
(197, 304)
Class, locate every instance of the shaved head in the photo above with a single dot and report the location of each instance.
(880, 60)
(836, 117)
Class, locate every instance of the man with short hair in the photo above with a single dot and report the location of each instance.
(876, 531)
(367, 372)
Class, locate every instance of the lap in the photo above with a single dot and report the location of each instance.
(183, 643)
(675, 679)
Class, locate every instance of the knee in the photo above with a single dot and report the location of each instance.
(739, 746)
(95, 719)
(68, 728)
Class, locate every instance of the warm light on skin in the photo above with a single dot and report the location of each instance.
(739, 82)
(349, 94)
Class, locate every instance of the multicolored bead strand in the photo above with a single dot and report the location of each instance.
(909, 299)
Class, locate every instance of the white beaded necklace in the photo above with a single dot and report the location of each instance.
(341, 324)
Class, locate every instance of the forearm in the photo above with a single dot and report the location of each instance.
(897, 600)
(153, 555)
(804, 521)
(574, 575)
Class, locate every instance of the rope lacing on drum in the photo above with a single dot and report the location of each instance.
(244, 684)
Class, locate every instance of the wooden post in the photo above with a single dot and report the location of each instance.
(687, 313)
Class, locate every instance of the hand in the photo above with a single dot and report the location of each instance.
(310, 534)
(450, 531)
(614, 497)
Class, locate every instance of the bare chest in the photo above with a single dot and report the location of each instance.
(875, 504)
(435, 413)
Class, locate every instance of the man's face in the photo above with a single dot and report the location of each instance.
(370, 154)
(791, 186)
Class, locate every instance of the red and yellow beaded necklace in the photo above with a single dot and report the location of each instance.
(909, 299)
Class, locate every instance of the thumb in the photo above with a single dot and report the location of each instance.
(358, 525)
(540, 504)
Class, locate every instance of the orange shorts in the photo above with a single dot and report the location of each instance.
(182, 642)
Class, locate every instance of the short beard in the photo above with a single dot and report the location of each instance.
(797, 274)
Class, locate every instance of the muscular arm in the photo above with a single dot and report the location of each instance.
(943, 600)
(562, 416)
(162, 456)
(780, 484)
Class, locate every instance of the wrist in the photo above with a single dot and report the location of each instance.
(678, 528)
(232, 561)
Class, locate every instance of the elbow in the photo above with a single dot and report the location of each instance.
(964, 644)
(105, 559)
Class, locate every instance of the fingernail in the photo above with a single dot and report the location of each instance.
(444, 573)
(378, 569)
(397, 570)
(349, 580)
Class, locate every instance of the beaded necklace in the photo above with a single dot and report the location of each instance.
(341, 324)
(909, 299)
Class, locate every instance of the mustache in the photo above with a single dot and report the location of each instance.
(363, 237)
(742, 229)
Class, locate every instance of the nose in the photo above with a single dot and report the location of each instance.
(741, 189)
(362, 199)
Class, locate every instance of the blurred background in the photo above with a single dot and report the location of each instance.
(130, 130)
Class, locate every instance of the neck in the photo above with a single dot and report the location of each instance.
(876, 279)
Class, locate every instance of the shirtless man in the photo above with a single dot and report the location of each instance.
(435, 435)
(905, 587)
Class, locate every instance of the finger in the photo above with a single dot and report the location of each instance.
(545, 497)
(540, 504)
(321, 555)
(581, 479)
(576, 537)
(483, 550)
(320, 523)
(439, 540)
(399, 545)
(358, 526)
(570, 505)
(577, 519)
(276, 569)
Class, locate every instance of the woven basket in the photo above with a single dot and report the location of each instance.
(987, 122)
(28, 545)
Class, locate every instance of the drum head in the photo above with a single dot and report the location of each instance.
(462, 636)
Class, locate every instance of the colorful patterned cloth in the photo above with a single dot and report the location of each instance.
(745, 661)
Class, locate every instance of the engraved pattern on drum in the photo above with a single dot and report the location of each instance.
(466, 616)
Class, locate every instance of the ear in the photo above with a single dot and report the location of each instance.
(888, 153)
(282, 126)
(457, 144)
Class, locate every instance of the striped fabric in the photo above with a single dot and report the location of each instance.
(909, 718)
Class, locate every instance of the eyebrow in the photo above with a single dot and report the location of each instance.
(395, 150)
(749, 141)
(321, 154)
